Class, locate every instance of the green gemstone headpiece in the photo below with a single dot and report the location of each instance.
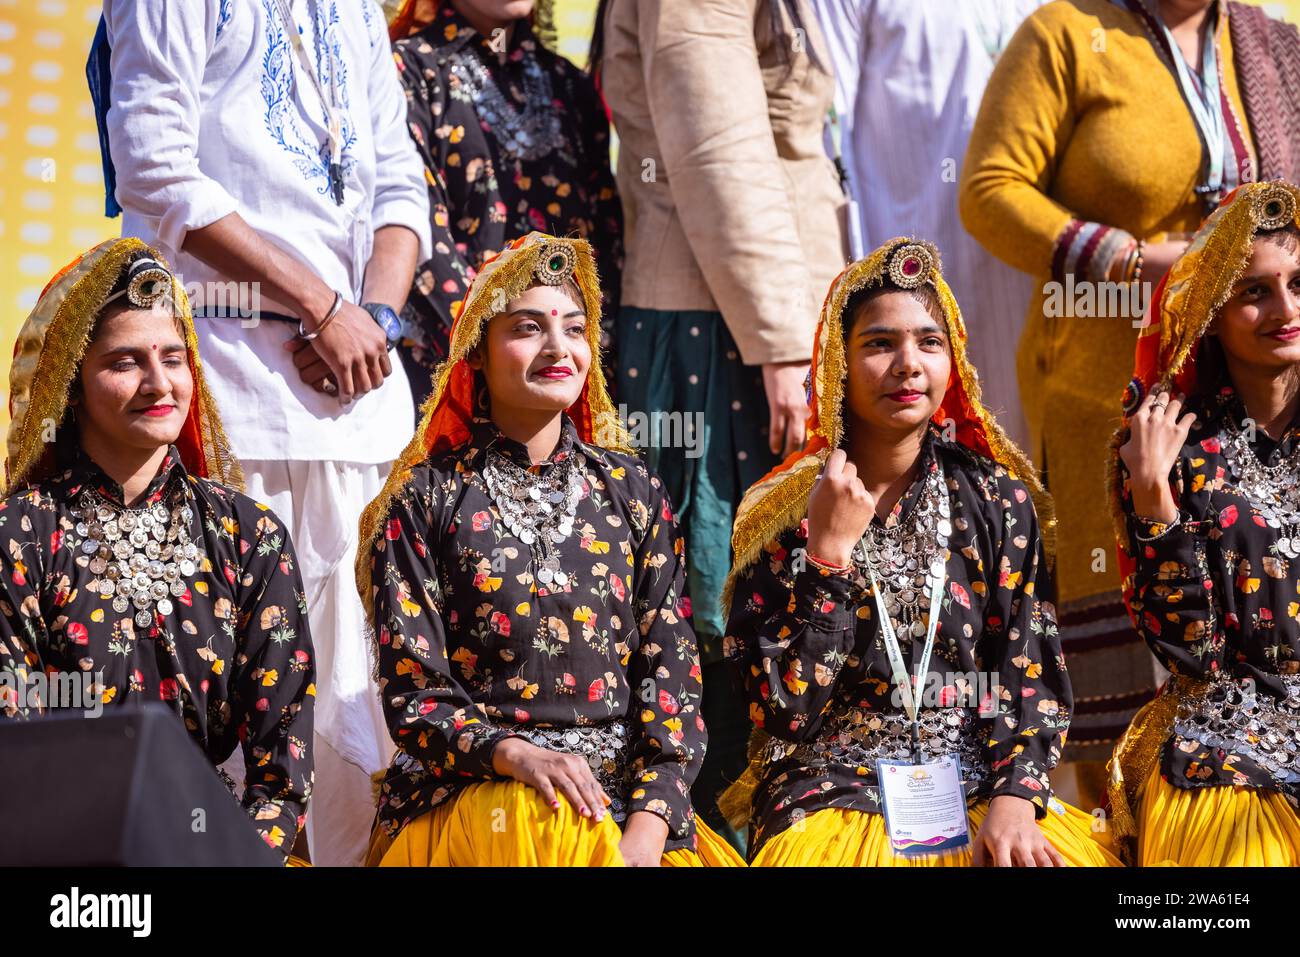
(555, 265)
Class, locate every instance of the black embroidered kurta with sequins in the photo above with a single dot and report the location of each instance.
(493, 179)
(1216, 596)
(233, 657)
(473, 649)
(818, 675)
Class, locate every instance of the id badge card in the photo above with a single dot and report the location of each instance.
(925, 807)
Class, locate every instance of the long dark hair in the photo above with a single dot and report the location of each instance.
(596, 52)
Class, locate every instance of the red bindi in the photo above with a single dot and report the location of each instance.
(154, 346)
(555, 312)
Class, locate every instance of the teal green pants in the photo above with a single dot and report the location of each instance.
(700, 418)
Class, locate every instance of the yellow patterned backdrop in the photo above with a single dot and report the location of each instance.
(51, 187)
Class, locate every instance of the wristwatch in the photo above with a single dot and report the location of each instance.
(386, 316)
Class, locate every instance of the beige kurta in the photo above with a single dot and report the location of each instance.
(730, 201)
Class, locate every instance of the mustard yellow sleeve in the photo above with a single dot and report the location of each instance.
(1025, 119)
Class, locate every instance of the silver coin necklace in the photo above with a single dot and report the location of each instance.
(1273, 489)
(907, 558)
(538, 509)
(140, 557)
(906, 567)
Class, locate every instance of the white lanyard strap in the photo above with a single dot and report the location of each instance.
(902, 680)
(332, 115)
(1203, 98)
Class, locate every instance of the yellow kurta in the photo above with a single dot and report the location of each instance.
(1082, 119)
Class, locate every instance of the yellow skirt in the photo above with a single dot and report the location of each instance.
(839, 837)
(508, 824)
(1221, 826)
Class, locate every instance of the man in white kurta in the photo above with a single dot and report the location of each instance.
(221, 144)
(909, 75)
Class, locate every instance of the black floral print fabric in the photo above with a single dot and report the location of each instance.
(1216, 596)
(810, 651)
(233, 657)
(514, 139)
(473, 649)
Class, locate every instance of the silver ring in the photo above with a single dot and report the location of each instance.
(329, 386)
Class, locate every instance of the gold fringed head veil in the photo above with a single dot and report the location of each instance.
(47, 360)
(447, 413)
(1184, 304)
(1190, 296)
(779, 500)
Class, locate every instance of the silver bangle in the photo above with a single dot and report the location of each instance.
(1168, 527)
(334, 311)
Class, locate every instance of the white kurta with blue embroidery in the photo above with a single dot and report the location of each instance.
(212, 114)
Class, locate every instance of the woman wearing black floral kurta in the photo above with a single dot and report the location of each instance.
(894, 396)
(129, 554)
(514, 139)
(535, 654)
(1208, 492)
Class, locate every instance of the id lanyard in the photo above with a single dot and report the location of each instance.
(1204, 101)
(902, 680)
(1203, 98)
(333, 115)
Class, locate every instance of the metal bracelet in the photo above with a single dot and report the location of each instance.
(1168, 527)
(329, 317)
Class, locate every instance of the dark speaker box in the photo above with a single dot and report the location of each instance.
(128, 788)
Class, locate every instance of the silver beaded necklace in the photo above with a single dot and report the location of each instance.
(907, 558)
(528, 133)
(139, 556)
(538, 509)
(1273, 489)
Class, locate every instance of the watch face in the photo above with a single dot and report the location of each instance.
(388, 321)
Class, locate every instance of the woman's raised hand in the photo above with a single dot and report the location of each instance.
(839, 510)
(1157, 433)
